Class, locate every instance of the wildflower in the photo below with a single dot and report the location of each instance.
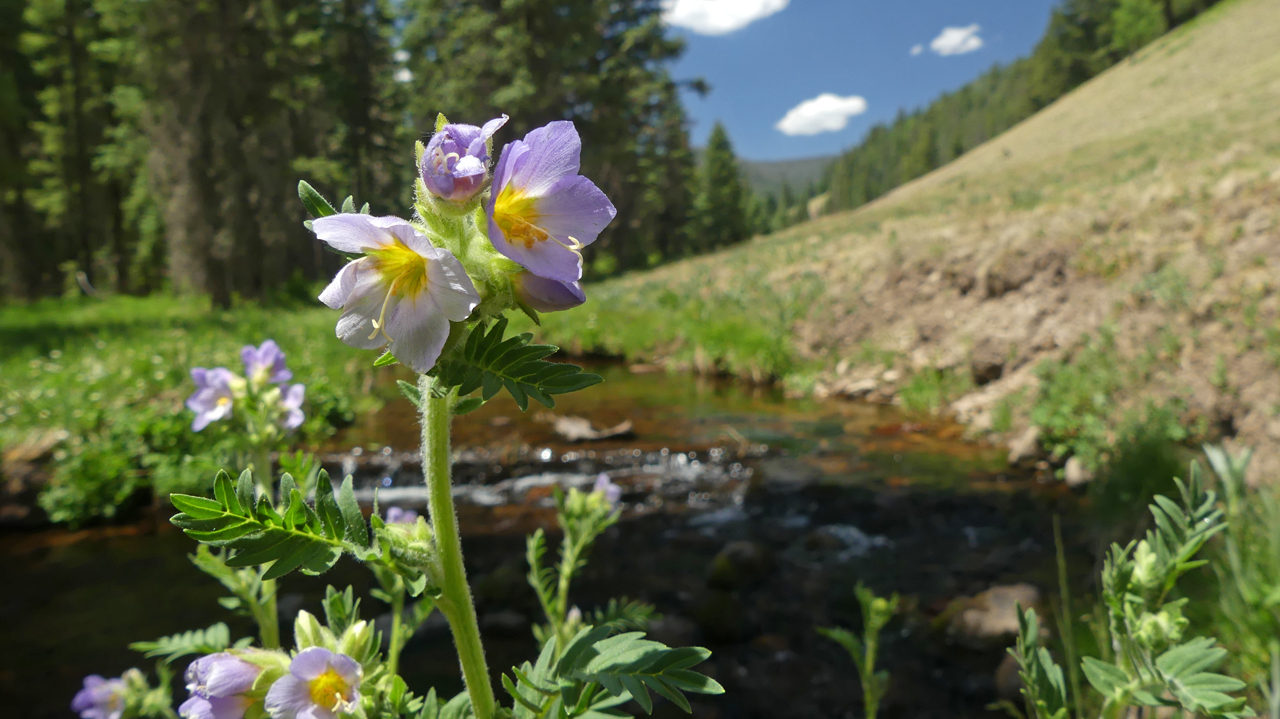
(100, 698)
(546, 295)
(291, 404)
(320, 685)
(456, 161)
(402, 292)
(265, 364)
(542, 212)
(214, 396)
(218, 684)
(612, 492)
(396, 515)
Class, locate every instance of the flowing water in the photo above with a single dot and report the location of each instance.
(748, 519)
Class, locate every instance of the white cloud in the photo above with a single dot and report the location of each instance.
(718, 17)
(824, 113)
(956, 40)
(916, 50)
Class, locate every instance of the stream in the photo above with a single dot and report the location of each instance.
(747, 521)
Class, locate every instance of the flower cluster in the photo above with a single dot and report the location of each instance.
(218, 390)
(480, 245)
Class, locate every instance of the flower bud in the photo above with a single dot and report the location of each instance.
(357, 641)
(455, 164)
(546, 295)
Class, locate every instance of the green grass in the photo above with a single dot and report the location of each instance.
(114, 376)
(743, 329)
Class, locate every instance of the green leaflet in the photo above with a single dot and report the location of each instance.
(314, 202)
(597, 672)
(489, 362)
(293, 536)
(197, 641)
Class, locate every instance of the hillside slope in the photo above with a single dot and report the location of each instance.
(1127, 233)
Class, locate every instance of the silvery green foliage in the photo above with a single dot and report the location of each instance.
(1154, 665)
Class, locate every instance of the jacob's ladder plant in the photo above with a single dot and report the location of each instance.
(431, 293)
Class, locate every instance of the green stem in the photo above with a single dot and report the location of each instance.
(397, 638)
(262, 471)
(268, 617)
(455, 602)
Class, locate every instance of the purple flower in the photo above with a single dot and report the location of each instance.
(218, 684)
(213, 398)
(319, 685)
(611, 491)
(396, 515)
(546, 295)
(265, 364)
(456, 161)
(402, 291)
(542, 212)
(100, 698)
(291, 402)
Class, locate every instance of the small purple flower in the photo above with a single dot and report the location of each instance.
(396, 515)
(265, 364)
(402, 292)
(218, 684)
(320, 685)
(100, 698)
(612, 492)
(546, 295)
(456, 161)
(542, 212)
(291, 402)
(213, 398)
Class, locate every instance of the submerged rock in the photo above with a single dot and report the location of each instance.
(990, 619)
(785, 474)
(1075, 473)
(740, 564)
(579, 429)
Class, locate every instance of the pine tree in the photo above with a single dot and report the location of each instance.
(721, 203)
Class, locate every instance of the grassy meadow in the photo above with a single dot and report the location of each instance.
(101, 385)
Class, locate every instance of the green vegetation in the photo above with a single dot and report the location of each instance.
(876, 612)
(931, 390)
(113, 376)
(743, 329)
(1080, 405)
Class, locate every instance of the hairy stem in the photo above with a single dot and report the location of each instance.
(456, 603)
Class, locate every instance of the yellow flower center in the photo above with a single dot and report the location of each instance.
(516, 216)
(404, 272)
(224, 401)
(329, 689)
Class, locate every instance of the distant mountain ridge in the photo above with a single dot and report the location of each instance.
(767, 177)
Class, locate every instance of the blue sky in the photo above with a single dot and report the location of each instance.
(769, 56)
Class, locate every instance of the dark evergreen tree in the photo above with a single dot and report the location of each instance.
(721, 205)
